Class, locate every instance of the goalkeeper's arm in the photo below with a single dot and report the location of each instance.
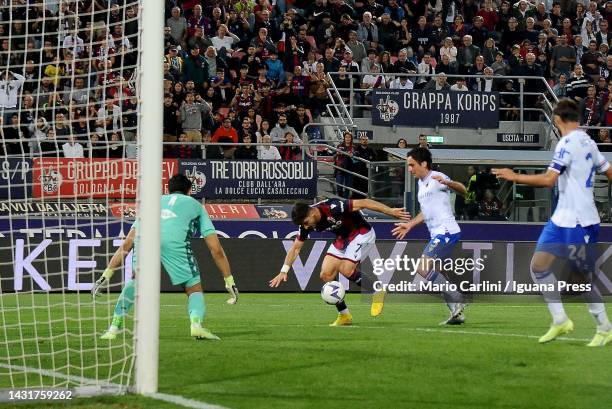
(115, 262)
(218, 255)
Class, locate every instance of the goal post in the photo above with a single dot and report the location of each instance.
(81, 108)
(149, 189)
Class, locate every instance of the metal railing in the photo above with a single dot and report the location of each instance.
(546, 97)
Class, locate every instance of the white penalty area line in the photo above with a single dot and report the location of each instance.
(91, 387)
(433, 330)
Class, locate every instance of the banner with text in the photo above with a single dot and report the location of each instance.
(15, 178)
(63, 260)
(91, 178)
(246, 179)
(444, 109)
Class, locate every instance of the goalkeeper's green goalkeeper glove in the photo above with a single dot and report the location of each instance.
(231, 288)
(102, 282)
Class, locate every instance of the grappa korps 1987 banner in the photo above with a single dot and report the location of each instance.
(445, 109)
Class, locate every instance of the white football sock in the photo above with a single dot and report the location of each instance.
(552, 298)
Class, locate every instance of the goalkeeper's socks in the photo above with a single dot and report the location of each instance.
(552, 298)
(126, 299)
(342, 308)
(116, 323)
(196, 307)
(450, 296)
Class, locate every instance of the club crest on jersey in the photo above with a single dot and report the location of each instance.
(387, 109)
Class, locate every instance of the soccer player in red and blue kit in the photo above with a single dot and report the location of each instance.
(354, 240)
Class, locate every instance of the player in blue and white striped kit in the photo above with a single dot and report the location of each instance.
(574, 226)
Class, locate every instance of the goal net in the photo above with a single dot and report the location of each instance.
(69, 93)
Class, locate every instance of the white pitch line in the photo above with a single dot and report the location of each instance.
(420, 329)
(90, 386)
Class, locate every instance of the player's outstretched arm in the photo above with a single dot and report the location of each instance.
(458, 187)
(398, 212)
(402, 229)
(115, 262)
(609, 173)
(220, 258)
(292, 254)
(546, 179)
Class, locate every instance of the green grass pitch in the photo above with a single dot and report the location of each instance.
(277, 351)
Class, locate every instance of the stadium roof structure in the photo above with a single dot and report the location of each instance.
(487, 156)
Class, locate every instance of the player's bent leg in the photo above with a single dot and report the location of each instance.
(122, 308)
(196, 309)
(541, 273)
(329, 272)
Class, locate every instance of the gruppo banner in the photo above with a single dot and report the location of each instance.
(91, 177)
(251, 179)
(446, 109)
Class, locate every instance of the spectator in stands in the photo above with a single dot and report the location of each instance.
(278, 133)
(604, 137)
(73, 149)
(37, 134)
(267, 152)
(185, 150)
(510, 102)
(48, 146)
(469, 208)
(449, 49)
(424, 67)
(460, 85)
(562, 58)
(191, 112)
(290, 152)
(388, 32)
(578, 84)
(298, 119)
(489, 51)
(560, 88)
(466, 55)
(439, 83)
(10, 87)
(343, 161)
(116, 146)
(367, 32)
(10, 134)
(178, 26)
(478, 32)
(490, 207)
(422, 142)
(591, 110)
(446, 66)
(499, 66)
(365, 152)
(264, 129)
(196, 68)
(401, 83)
(319, 83)
(246, 151)
(226, 130)
(592, 60)
(403, 65)
(245, 130)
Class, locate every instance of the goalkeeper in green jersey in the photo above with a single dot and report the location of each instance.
(182, 218)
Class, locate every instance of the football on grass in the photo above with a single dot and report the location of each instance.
(332, 292)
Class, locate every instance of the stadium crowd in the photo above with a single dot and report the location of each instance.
(255, 71)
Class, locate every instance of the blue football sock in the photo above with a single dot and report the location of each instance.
(196, 307)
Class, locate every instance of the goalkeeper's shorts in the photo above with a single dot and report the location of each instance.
(181, 266)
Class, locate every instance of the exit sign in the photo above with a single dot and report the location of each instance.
(435, 139)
